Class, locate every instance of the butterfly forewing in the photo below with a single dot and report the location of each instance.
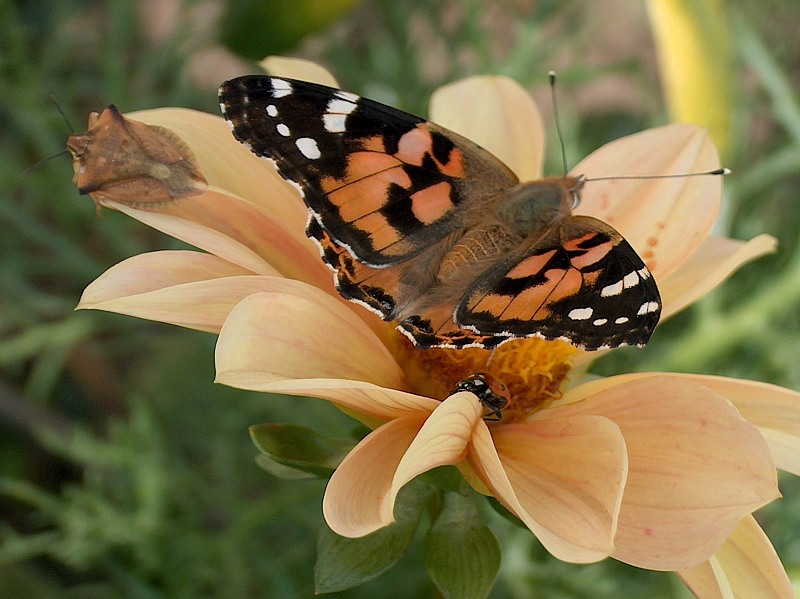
(384, 183)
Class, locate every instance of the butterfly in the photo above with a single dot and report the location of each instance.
(426, 228)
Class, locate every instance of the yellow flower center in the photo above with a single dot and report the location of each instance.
(532, 369)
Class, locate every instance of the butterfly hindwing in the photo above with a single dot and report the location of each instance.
(582, 282)
(384, 183)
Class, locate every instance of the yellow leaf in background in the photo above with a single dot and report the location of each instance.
(694, 56)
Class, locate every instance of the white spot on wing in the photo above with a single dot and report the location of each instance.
(580, 313)
(621, 320)
(647, 308)
(334, 123)
(611, 290)
(631, 280)
(349, 96)
(337, 111)
(272, 110)
(600, 322)
(644, 273)
(341, 106)
(308, 148)
(283, 129)
(280, 88)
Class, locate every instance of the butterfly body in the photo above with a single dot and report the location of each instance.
(426, 228)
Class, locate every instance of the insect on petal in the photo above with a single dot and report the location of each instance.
(125, 161)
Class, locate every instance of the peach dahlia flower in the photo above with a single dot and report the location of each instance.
(661, 471)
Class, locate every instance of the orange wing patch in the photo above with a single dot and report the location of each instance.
(381, 234)
(592, 255)
(417, 143)
(367, 194)
(532, 303)
(432, 203)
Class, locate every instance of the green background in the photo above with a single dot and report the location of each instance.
(124, 472)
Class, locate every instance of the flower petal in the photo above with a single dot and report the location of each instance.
(745, 566)
(665, 220)
(714, 262)
(298, 68)
(156, 270)
(240, 232)
(296, 333)
(774, 410)
(379, 404)
(498, 114)
(442, 440)
(229, 165)
(358, 499)
(696, 467)
(189, 289)
(571, 509)
(361, 495)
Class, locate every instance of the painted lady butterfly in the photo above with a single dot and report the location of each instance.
(426, 228)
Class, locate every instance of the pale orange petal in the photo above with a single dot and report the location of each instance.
(496, 113)
(379, 404)
(665, 220)
(714, 262)
(240, 232)
(300, 334)
(562, 477)
(229, 165)
(155, 270)
(298, 68)
(744, 567)
(443, 438)
(774, 410)
(159, 286)
(696, 467)
(358, 498)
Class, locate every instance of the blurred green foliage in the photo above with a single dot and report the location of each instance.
(124, 472)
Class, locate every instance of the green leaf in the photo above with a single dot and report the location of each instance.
(461, 553)
(278, 470)
(255, 28)
(447, 478)
(343, 563)
(299, 448)
(503, 511)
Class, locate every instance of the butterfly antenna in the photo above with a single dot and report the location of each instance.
(551, 77)
(716, 171)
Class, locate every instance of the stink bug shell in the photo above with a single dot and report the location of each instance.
(132, 163)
